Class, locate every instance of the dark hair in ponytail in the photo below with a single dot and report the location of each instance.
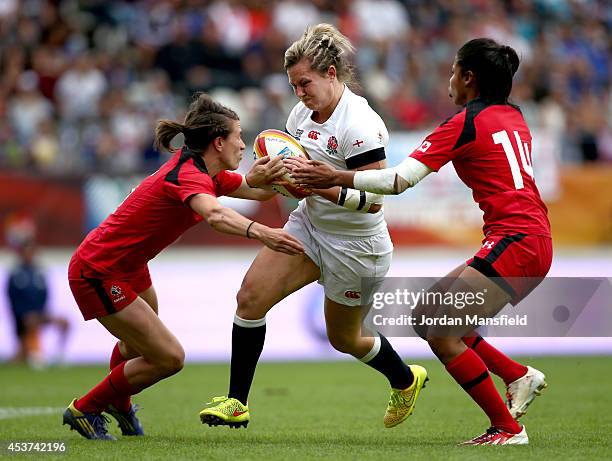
(206, 120)
(493, 65)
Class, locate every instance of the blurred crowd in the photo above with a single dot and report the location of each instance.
(83, 82)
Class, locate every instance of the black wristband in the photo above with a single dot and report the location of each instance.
(342, 197)
(247, 182)
(362, 200)
(248, 229)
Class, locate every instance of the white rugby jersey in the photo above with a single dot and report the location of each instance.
(352, 137)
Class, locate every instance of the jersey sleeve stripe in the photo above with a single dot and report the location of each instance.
(186, 154)
(448, 119)
(173, 174)
(365, 158)
(468, 133)
(198, 161)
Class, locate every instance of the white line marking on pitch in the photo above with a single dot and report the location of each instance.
(19, 412)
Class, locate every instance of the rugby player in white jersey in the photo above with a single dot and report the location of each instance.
(343, 241)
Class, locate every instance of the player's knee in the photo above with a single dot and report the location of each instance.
(127, 351)
(343, 342)
(443, 346)
(173, 361)
(249, 303)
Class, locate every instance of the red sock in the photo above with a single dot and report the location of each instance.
(496, 361)
(471, 373)
(113, 390)
(117, 359)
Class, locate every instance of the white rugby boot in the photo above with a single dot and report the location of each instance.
(520, 393)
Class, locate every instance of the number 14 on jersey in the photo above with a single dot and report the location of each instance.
(501, 137)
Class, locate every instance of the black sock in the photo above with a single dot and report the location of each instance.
(390, 364)
(247, 343)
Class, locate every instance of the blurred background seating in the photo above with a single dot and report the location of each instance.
(84, 82)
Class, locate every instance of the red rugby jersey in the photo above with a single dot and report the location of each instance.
(154, 215)
(490, 147)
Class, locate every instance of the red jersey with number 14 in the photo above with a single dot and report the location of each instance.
(154, 215)
(490, 147)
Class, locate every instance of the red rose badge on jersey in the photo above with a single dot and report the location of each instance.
(332, 146)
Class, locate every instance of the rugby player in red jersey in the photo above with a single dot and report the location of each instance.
(489, 144)
(108, 273)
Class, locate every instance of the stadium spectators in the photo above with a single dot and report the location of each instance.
(88, 70)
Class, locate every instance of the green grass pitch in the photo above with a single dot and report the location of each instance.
(319, 411)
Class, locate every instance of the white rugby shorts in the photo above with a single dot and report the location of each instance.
(343, 259)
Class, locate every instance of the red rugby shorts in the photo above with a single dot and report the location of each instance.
(99, 294)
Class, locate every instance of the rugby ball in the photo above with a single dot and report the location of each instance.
(273, 143)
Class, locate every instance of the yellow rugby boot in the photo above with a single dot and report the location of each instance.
(225, 411)
(402, 402)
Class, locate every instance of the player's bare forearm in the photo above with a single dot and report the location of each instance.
(344, 178)
(231, 222)
(262, 194)
(313, 174)
(250, 193)
(330, 194)
(227, 221)
(220, 218)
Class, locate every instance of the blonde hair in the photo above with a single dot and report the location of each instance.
(324, 46)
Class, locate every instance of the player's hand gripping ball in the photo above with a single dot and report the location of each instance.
(273, 143)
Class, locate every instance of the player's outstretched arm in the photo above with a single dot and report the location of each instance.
(228, 221)
(317, 175)
(388, 181)
(251, 193)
